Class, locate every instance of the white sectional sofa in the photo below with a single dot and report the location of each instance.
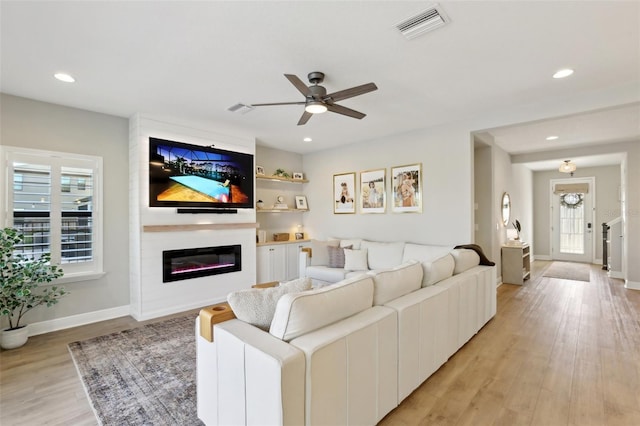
(347, 352)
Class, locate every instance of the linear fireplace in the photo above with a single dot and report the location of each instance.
(200, 262)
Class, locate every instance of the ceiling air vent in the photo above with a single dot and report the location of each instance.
(240, 108)
(423, 22)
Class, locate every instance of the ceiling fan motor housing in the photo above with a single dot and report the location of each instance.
(317, 92)
(315, 77)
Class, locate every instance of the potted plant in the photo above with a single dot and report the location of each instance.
(19, 280)
(282, 173)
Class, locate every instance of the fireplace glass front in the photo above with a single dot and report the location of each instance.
(200, 262)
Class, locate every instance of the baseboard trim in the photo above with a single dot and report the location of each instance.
(543, 257)
(616, 274)
(175, 309)
(632, 285)
(77, 320)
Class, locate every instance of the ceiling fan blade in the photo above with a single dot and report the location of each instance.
(305, 117)
(354, 91)
(345, 111)
(280, 103)
(302, 88)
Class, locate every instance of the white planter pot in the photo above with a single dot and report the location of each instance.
(11, 339)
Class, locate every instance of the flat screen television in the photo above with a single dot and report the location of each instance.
(185, 175)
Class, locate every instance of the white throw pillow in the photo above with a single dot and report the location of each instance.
(437, 270)
(464, 259)
(355, 243)
(383, 255)
(256, 306)
(320, 252)
(355, 260)
(392, 283)
(301, 313)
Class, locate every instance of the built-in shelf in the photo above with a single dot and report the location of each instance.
(280, 210)
(197, 227)
(271, 243)
(281, 179)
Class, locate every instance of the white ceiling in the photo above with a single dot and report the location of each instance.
(192, 60)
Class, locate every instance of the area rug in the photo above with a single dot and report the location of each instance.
(142, 376)
(569, 271)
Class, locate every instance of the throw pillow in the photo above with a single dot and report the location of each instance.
(256, 306)
(320, 253)
(355, 260)
(336, 256)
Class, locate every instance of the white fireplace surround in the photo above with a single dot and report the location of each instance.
(154, 230)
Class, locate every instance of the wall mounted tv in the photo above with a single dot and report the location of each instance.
(185, 175)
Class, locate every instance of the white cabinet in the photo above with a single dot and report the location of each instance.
(516, 264)
(293, 259)
(278, 261)
(271, 263)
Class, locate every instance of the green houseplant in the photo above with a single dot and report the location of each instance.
(20, 277)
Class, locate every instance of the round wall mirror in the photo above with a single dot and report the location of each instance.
(506, 208)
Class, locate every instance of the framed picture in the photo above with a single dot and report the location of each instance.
(259, 170)
(407, 188)
(373, 186)
(299, 236)
(301, 202)
(298, 176)
(344, 185)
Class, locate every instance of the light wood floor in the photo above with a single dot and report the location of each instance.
(558, 352)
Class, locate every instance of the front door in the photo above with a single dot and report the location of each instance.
(572, 220)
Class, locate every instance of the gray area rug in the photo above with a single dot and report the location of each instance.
(569, 271)
(142, 376)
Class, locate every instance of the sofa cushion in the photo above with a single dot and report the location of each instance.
(336, 256)
(297, 314)
(355, 260)
(256, 306)
(464, 259)
(383, 255)
(392, 283)
(423, 252)
(320, 253)
(437, 270)
(324, 273)
(354, 243)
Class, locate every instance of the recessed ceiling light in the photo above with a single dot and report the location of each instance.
(307, 139)
(64, 77)
(552, 138)
(563, 73)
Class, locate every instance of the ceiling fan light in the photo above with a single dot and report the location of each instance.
(315, 107)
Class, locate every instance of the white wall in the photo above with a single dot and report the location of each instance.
(522, 206)
(607, 204)
(445, 153)
(39, 125)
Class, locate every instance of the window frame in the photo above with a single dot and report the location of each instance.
(80, 271)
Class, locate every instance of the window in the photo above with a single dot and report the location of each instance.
(55, 203)
(572, 223)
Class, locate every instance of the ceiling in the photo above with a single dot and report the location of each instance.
(191, 61)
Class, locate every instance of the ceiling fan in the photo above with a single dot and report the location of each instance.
(318, 101)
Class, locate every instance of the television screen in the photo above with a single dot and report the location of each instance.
(185, 175)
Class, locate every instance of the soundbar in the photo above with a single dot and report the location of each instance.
(207, 211)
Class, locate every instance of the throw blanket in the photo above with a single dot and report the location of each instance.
(483, 259)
